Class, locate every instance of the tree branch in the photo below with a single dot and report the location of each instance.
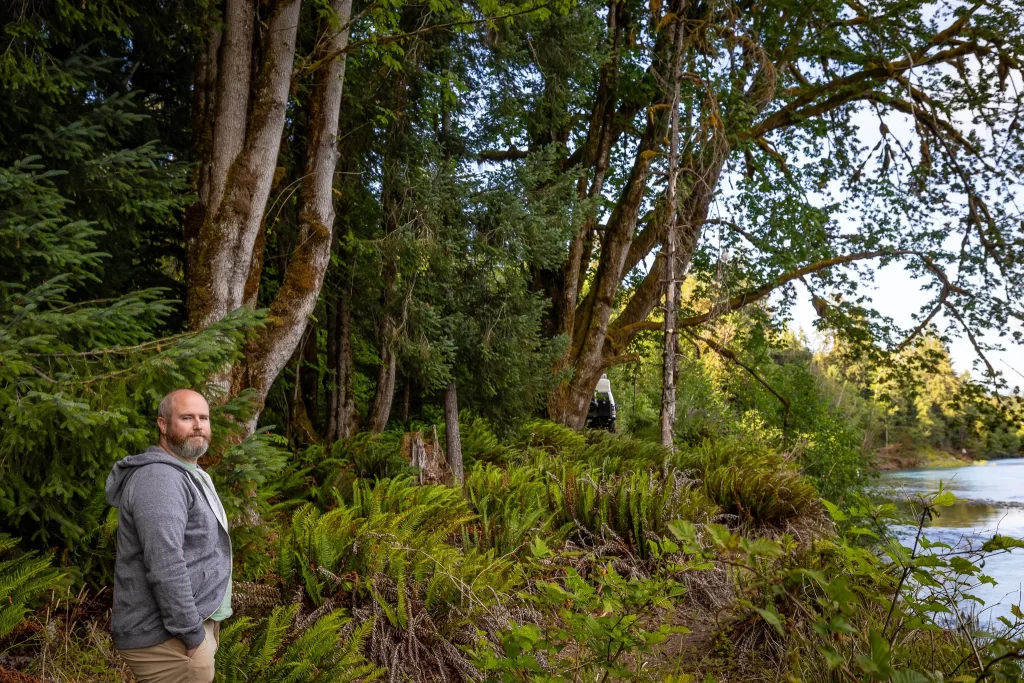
(924, 323)
(856, 86)
(731, 355)
(386, 40)
(758, 293)
(511, 154)
(973, 340)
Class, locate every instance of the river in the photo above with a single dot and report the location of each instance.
(994, 502)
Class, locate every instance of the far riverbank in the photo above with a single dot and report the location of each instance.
(902, 456)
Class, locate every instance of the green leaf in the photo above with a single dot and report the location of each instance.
(1000, 542)
(761, 547)
(833, 659)
(722, 537)
(833, 510)
(772, 617)
(909, 676)
(684, 530)
(963, 566)
(880, 654)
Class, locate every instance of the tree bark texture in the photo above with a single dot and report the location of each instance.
(253, 69)
(426, 457)
(586, 356)
(673, 279)
(385, 395)
(342, 407)
(452, 436)
(309, 376)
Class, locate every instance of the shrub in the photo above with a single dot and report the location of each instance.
(869, 607)
(597, 631)
(832, 458)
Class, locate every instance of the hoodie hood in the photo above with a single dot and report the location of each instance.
(125, 467)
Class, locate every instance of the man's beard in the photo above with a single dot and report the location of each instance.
(188, 447)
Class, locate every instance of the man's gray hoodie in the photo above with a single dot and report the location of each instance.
(173, 555)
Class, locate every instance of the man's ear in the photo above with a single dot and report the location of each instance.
(161, 424)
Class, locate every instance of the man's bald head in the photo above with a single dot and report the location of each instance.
(184, 421)
(166, 409)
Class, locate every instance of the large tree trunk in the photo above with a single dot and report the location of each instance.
(452, 436)
(570, 400)
(602, 133)
(587, 355)
(242, 172)
(598, 343)
(237, 172)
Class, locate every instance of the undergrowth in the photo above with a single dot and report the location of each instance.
(571, 557)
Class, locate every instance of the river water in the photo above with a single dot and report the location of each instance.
(994, 503)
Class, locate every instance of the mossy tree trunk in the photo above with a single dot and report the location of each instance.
(244, 121)
(342, 403)
(386, 376)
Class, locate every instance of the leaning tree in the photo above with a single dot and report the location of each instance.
(243, 84)
(774, 185)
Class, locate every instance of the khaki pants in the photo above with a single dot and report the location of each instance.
(167, 663)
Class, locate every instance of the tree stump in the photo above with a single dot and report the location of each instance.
(427, 456)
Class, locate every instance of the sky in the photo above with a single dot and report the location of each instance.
(895, 294)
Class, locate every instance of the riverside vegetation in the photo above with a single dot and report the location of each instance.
(565, 557)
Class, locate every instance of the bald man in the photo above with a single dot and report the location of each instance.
(172, 577)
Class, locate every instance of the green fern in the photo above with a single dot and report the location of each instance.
(751, 482)
(271, 651)
(23, 578)
(637, 506)
(479, 442)
(551, 437)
